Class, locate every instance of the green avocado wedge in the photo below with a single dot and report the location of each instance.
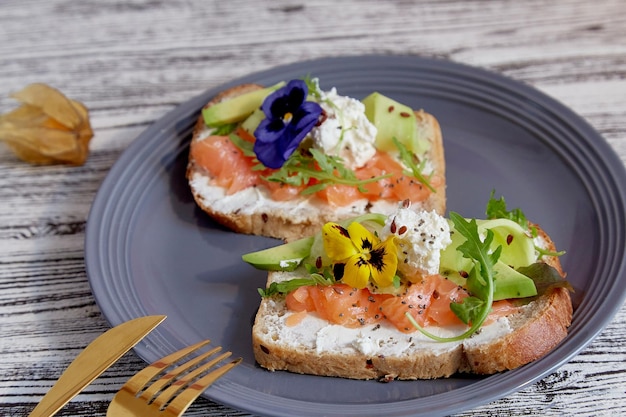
(393, 119)
(237, 108)
(285, 257)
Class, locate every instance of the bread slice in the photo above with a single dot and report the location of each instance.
(252, 211)
(314, 346)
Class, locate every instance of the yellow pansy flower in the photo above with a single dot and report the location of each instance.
(358, 255)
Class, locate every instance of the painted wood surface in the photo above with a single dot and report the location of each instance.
(133, 61)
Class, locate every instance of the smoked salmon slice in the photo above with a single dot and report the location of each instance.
(232, 170)
(428, 302)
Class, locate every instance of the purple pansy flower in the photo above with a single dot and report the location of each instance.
(288, 119)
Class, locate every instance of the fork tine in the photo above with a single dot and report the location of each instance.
(171, 376)
(180, 404)
(137, 383)
(180, 382)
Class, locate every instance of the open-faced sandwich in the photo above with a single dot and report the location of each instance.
(281, 161)
(412, 295)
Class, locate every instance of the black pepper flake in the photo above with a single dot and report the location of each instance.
(362, 321)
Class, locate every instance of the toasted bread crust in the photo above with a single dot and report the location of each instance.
(538, 328)
(288, 224)
(540, 333)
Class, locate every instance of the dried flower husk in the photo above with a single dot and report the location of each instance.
(47, 128)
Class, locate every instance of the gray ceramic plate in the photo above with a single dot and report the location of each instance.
(149, 250)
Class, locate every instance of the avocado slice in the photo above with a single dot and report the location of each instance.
(518, 248)
(285, 257)
(237, 108)
(252, 122)
(508, 283)
(393, 119)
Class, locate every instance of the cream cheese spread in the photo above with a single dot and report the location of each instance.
(377, 339)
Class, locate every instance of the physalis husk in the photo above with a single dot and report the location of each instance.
(47, 127)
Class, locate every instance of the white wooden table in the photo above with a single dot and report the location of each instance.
(133, 61)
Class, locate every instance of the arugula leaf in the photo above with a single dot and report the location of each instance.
(409, 160)
(313, 86)
(223, 130)
(285, 287)
(496, 209)
(246, 147)
(327, 170)
(469, 310)
(543, 252)
(545, 277)
(472, 310)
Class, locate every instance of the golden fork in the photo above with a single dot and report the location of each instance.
(158, 390)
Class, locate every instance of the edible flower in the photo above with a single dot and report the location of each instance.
(288, 119)
(358, 255)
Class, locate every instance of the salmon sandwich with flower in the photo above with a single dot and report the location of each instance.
(281, 161)
(412, 295)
